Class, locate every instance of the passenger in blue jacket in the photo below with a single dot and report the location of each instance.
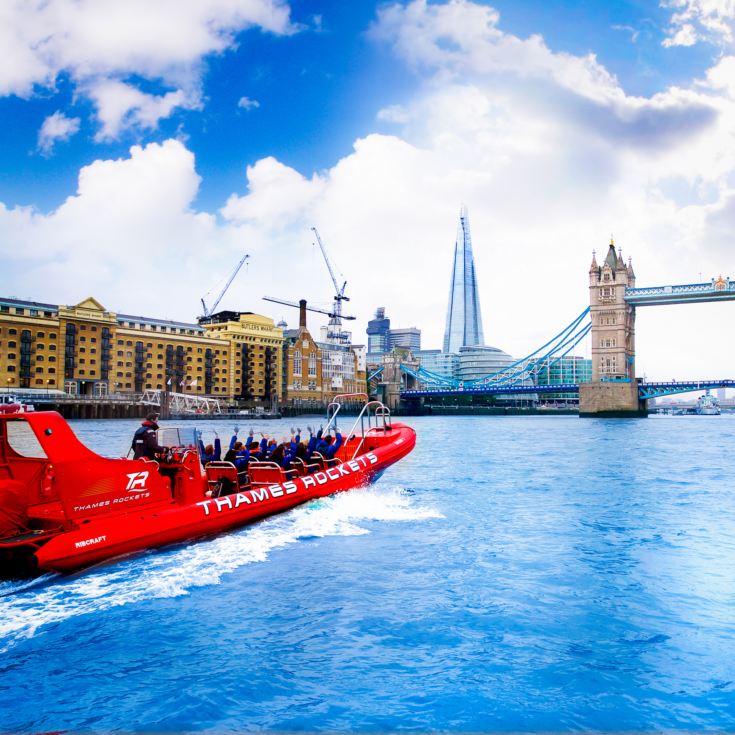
(323, 443)
(313, 441)
(334, 446)
(210, 453)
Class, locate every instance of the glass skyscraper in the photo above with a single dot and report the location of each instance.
(464, 319)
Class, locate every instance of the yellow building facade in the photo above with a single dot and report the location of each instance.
(86, 349)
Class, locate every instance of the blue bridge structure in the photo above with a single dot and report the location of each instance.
(522, 377)
(645, 390)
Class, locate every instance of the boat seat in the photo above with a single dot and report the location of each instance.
(269, 473)
(51, 511)
(302, 468)
(323, 462)
(222, 478)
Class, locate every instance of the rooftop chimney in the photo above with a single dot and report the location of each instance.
(302, 313)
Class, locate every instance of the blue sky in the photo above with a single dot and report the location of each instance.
(192, 128)
(318, 90)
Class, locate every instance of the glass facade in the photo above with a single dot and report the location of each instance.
(464, 319)
(566, 370)
(377, 334)
(410, 338)
(477, 362)
(440, 363)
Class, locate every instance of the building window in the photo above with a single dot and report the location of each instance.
(312, 364)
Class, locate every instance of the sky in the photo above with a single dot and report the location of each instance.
(146, 146)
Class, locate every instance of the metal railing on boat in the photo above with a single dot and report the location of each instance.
(373, 413)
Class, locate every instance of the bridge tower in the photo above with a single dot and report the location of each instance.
(613, 390)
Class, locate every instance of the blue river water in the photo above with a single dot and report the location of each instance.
(511, 574)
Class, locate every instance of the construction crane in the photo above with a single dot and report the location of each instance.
(308, 308)
(208, 312)
(335, 323)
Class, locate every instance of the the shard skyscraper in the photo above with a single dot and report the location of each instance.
(464, 319)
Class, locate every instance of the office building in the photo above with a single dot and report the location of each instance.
(464, 319)
(377, 334)
(408, 338)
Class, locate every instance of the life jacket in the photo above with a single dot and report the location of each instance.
(138, 445)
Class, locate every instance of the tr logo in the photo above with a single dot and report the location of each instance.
(136, 481)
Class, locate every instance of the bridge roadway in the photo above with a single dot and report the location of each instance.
(645, 390)
(722, 289)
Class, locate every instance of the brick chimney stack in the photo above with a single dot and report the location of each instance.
(302, 314)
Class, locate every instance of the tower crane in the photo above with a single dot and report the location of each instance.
(209, 311)
(308, 308)
(335, 323)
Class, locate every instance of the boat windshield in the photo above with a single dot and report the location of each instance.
(173, 436)
(23, 441)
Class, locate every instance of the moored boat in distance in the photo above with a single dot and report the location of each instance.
(63, 507)
(707, 405)
(11, 404)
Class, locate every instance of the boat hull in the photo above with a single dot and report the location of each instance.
(106, 537)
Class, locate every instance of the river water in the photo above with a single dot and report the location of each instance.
(512, 574)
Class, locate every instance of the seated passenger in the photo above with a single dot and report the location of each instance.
(232, 452)
(323, 445)
(233, 441)
(210, 453)
(334, 446)
(313, 441)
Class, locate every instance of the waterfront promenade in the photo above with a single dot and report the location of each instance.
(514, 574)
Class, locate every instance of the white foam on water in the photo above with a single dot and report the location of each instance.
(177, 571)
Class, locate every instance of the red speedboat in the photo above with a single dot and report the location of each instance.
(63, 507)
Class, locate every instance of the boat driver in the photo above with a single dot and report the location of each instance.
(145, 441)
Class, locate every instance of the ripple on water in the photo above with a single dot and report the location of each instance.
(513, 573)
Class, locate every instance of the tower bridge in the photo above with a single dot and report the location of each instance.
(614, 389)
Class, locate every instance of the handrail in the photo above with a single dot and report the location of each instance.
(381, 412)
(337, 404)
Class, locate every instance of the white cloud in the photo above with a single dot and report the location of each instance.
(248, 104)
(56, 127)
(105, 42)
(122, 105)
(701, 20)
(394, 114)
(546, 149)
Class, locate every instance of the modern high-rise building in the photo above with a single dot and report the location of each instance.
(464, 319)
(408, 337)
(377, 333)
